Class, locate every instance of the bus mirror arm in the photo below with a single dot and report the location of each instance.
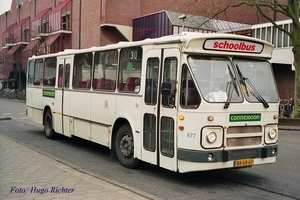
(172, 98)
(166, 88)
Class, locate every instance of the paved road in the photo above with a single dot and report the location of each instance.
(276, 181)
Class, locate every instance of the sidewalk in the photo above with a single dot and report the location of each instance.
(27, 174)
(289, 128)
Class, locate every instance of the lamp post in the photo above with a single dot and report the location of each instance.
(182, 17)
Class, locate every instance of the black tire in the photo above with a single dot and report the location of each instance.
(125, 147)
(48, 126)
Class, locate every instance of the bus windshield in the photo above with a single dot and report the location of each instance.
(257, 81)
(218, 81)
(215, 78)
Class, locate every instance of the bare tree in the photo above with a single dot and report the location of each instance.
(288, 8)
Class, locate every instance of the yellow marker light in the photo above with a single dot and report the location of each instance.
(181, 117)
(210, 118)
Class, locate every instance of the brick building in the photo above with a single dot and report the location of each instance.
(34, 27)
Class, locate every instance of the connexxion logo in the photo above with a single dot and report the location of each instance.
(49, 93)
(244, 117)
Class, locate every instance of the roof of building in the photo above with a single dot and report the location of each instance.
(197, 21)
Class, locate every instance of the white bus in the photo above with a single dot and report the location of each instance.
(187, 102)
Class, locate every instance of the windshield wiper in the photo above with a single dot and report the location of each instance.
(253, 91)
(229, 90)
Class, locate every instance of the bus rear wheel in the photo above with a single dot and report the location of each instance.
(48, 129)
(125, 147)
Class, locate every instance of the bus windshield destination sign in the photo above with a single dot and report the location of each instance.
(233, 45)
(244, 117)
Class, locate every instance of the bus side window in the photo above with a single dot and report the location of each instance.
(105, 70)
(60, 75)
(151, 81)
(82, 70)
(190, 97)
(30, 74)
(170, 82)
(67, 75)
(130, 69)
(38, 72)
(49, 72)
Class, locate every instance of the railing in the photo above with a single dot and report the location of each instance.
(286, 108)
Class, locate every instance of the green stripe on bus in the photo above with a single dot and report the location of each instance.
(244, 117)
(49, 93)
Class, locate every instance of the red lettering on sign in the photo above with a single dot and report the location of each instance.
(234, 46)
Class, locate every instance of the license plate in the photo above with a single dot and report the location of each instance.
(243, 163)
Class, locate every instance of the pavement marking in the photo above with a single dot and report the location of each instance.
(6, 114)
(22, 113)
(24, 117)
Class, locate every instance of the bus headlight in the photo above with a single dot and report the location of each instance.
(272, 133)
(211, 137)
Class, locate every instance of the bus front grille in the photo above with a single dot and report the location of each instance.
(254, 135)
(244, 129)
(243, 141)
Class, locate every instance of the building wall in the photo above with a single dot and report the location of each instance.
(87, 18)
(86, 32)
(285, 79)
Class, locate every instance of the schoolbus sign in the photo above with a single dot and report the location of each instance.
(233, 45)
(49, 93)
(245, 117)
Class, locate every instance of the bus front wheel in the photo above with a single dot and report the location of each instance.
(125, 147)
(48, 129)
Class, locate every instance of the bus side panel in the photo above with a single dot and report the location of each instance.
(100, 134)
(57, 112)
(67, 122)
(102, 116)
(130, 107)
(80, 109)
(81, 128)
(34, 97)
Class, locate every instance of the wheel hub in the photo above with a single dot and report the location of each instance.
(126, 146)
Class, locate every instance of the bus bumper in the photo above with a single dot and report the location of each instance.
(226, 155)
(191, 160)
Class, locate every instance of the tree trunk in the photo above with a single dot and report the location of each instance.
(296, 51)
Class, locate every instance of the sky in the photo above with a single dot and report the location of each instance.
(5, 5)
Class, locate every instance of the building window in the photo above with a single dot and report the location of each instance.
(274, 38)
(152, 26)
(279, 44)
(291, 29)
(285, 36)
(269, 34)
(66, 22)
(258, 33)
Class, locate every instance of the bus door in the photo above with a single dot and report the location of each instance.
(61, 111)
(150, 109)
(159, 111)
(168, 110)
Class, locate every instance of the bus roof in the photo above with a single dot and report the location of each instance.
(191, 42)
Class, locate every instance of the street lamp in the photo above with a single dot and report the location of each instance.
(182, 17)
